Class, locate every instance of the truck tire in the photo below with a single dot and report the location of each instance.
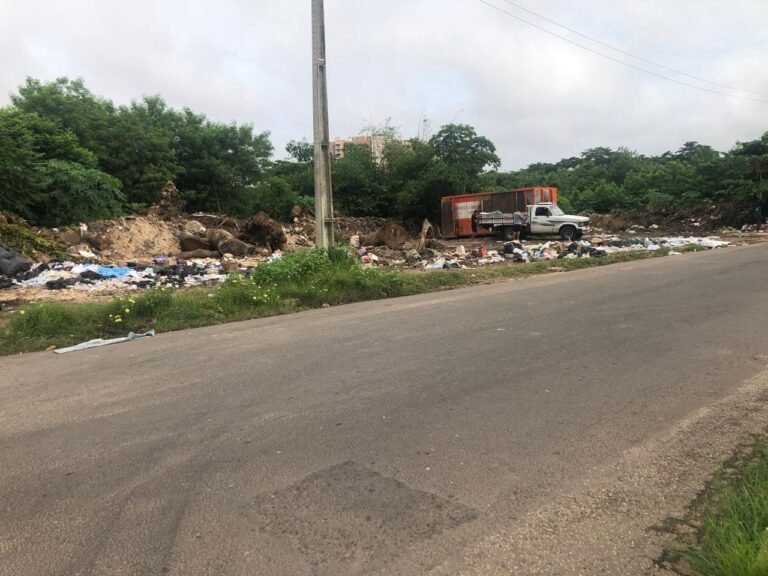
(568, 233)
(508, 234)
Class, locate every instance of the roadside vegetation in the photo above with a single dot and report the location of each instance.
(734, 522)
(69, 156)
(299, 281)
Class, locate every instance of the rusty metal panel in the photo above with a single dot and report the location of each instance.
(449, 228)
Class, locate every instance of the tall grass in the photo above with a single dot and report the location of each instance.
(734, 523)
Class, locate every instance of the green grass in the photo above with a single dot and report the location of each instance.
(297, 282)
(734, 522)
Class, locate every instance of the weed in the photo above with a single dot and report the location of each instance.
(27, 241)
(734, 522)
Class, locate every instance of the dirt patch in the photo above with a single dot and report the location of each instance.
(133, 238)
(670, 220)
(391, 235)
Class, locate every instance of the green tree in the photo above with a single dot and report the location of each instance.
(74, 193)
(468, 154)
(219, 162)
(142, 151)
(47, 176)
(274, 196)
(21, 181)
(72, 106)
(302, 152)
(357, 183)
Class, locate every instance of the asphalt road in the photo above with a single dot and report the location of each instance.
(385, 437)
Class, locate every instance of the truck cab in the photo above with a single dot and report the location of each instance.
(548, 218)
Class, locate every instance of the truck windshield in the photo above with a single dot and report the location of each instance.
(556, 211)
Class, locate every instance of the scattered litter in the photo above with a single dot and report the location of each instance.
(101, 342)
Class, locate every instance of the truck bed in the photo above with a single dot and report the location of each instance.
(493, 219)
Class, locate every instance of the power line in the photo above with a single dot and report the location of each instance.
(620, 51)
(617, 60)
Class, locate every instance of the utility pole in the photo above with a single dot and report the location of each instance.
(323, 190)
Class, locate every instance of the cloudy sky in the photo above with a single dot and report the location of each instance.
(537, 97)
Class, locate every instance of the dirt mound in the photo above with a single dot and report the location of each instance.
(228, 223)
(670, 219)
(391, 234)
(261, 230)
(301, 232)
(133, 238)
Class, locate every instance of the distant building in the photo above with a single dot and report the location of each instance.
(338, 145)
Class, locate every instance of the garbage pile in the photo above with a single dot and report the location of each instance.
(11, 264)
(98, 278)
(523, 252)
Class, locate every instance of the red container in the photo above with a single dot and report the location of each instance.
(457, 210)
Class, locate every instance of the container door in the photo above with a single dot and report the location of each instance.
(463, 216)
(449, 224)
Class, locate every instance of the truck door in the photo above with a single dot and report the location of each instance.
(540, 221)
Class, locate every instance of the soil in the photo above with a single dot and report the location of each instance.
(134, 238)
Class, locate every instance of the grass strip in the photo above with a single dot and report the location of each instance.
(299, 281)
(733, 538)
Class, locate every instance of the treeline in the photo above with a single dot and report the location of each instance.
(67, 155)
(605, 180)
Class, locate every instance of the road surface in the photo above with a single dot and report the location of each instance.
(421, 435)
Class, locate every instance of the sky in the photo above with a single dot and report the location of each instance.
(538, 98)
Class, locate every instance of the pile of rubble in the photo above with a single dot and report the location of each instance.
(128, 253)
(524, 252)
(166, 248)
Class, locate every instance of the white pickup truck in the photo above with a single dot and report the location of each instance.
(544, 218)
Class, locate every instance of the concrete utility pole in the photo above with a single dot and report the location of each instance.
(323, 190)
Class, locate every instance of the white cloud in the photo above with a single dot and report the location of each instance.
(538, 98)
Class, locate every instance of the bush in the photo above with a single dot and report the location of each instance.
(292, 267)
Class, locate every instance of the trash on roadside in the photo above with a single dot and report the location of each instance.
(101, 342)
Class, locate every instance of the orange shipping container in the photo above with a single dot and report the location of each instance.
(457, 210)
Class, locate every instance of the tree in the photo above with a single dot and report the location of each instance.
(70, 104)
(302, 151)
(75, 193)
(459, 146)
(47, 177)
(274, 196)
(219, 162)
(21, 182)
(357, 186)
(142, 151)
